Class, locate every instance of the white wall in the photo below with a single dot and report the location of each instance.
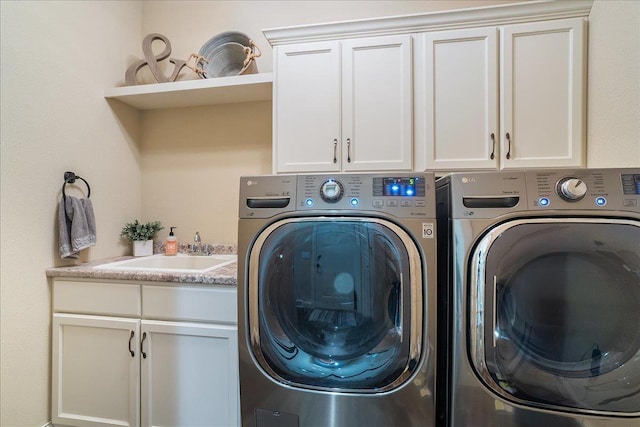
(613, 112)
(57, 58)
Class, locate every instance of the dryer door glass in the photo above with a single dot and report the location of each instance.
(337, 303)
(561, 322)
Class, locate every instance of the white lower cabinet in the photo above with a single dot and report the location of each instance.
(189, 374)
(180, 370)
(95, 377)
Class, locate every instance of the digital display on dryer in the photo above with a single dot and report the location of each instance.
(631, 184)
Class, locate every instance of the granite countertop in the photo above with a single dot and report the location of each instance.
(225, 275)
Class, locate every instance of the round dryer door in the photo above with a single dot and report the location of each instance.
(561, 301)
(336, 303)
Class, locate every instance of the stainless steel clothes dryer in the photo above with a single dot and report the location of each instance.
(545, 284)
(336, 300)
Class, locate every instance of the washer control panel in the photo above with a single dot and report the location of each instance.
(611, 189)
(404, 195)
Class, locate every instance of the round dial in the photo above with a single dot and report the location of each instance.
(571, 189)
(331, 191)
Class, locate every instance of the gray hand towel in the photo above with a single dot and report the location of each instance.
(76, 226)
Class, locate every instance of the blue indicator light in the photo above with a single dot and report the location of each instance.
(409, 192)
(394, 188)
(309, 202)
(543, 202)
(601, 201)
(355, 202)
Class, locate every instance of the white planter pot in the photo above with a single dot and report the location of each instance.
(142, 247)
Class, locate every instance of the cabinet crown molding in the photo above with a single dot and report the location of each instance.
(529, 11)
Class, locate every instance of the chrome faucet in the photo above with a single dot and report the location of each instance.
(197, 244)
(198, 248)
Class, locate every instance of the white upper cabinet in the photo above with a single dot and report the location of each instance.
(377, 104)
(542, 83)
(535, 85)
(343, 105)
(457, 98)
(307, 107)
(495, 87)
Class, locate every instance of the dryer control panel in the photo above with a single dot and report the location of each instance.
(610, 189)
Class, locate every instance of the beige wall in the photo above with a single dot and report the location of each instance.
(613, 111)
(189, 24)
(192, 159)
(57, 58)
(180, 166)
(613, 132)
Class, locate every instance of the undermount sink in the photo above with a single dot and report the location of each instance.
(179, 263)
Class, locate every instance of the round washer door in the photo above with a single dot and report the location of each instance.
(560, 300)
(335, 303)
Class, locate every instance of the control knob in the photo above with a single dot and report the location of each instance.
(571, 189)
(331, 191)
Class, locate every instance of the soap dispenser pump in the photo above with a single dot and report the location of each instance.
(171, 246)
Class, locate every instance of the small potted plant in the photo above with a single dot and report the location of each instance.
(141, 235)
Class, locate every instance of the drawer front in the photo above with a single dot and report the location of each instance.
(102, 298)
(190, 304)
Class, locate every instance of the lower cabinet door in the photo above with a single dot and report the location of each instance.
(96, 371)
(189, 374)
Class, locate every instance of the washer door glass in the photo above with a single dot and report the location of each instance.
(335, 303)
(562, 302)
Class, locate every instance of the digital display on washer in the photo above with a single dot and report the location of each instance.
(405, 187)
(631, 184)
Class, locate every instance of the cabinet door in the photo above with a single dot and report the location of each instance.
(95, 364)
(377, 104)
(189, 374)
(542, 86)
(307, 107)
(457, 98)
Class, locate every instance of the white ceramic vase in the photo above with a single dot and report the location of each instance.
(142, 247)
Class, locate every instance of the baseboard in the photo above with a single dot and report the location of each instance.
(49, 424)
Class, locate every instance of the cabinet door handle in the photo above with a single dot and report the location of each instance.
(508, 145)
(131, 339)
(493, 146)
(335, 150)
(348, 150)
(144, 337)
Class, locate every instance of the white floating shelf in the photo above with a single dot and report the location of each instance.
(195, 93)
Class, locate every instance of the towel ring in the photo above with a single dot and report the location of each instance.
(70, 178)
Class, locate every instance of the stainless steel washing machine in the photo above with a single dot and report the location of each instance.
(336, 300)
(543, 269)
